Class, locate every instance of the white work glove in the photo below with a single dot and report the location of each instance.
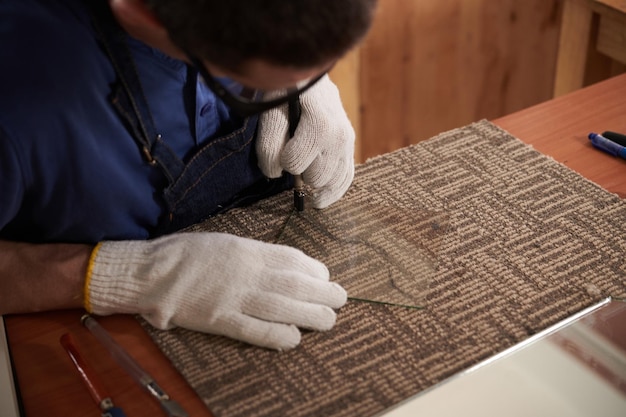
(216, 283)
(322, 149)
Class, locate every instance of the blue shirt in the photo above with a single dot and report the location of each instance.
(69, 169)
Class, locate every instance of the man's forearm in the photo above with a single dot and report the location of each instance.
(41, 277)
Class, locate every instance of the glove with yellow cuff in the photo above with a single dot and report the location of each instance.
(248, 290)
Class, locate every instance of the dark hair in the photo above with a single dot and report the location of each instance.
(298, 33)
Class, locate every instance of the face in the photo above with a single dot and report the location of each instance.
(245, 91)
(261, 75)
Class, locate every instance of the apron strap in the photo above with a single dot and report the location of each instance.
(113, 39)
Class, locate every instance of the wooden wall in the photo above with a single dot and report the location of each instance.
(432, 65)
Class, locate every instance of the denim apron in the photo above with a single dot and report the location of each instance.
(222, 174)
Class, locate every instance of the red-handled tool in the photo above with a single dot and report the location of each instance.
(89, 377)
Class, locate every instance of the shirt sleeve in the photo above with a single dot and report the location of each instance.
(11, 180)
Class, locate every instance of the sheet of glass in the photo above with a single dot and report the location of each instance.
(378, 253)
(576, 368)
(8, 396)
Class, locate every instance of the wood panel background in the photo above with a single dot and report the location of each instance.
(592, 44)
(432, 65)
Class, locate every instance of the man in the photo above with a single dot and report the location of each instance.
(122, 122)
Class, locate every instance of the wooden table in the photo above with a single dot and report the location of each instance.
(49, 385)
(559, 128)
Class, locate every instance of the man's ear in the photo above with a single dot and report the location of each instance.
(136, 14)
(138, 20)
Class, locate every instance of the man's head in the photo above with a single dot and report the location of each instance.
(266, 45)
(298, 34)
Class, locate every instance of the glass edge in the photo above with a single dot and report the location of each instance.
(509, 351)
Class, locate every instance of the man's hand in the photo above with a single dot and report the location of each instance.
(216, 283)
(322, 149)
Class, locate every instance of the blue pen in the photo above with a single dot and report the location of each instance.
(607, 146)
